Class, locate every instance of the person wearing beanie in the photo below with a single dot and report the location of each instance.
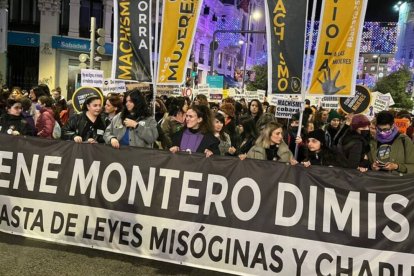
(355, 143)
(391, 151)
(319, 154)
(332, 128)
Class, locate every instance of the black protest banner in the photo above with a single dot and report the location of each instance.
(132, 57)
(244, 217)
(358, 103)
(286, 30)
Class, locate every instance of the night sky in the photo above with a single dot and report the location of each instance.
(381, 10)
(377, 10)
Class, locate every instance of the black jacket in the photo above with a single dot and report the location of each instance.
(18, 123)
(76, 126)
(326, 157)
(355, 148)
(209, 142)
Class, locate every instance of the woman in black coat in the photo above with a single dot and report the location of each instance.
(198, 135)
(12, 122)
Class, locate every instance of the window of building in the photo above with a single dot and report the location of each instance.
(250, 50)
(90, 8)
(24, 16)
(229, 63)
(64, 17)
(201, 54)
(220, 60)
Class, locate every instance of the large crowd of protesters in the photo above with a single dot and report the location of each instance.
(231, 128)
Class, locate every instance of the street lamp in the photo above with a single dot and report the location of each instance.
(398, 5)
(256, 15)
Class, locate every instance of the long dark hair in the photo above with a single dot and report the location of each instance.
(249, 127)
(260, 112)
(176, 105)
(202, 111)
(141, 108)
(220, 118)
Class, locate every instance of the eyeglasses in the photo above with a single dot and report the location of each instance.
(383, 129)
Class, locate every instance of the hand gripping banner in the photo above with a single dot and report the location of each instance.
(132, 55)
(247, 217)
(286, 30)
(179, 23)
(336, 59)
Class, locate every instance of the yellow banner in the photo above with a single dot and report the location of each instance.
(179, 22)
(336, 60)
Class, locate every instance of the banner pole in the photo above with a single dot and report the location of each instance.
(305, 74)
(156, 53)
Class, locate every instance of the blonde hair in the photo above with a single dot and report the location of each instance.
(264, 138)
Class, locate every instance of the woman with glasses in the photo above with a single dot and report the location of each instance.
(88, 126)
(391, 150)
(12, 121)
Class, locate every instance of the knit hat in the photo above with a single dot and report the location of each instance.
(333, 114)
(319, 135)
(358, 121)
(228, 108)
(385, 118)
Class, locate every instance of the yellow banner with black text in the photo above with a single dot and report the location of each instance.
(179, 23)
(132, 56)
(337, 52)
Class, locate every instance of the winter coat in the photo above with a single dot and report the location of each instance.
(354, 148)
(170, 128)
(45, 123)
(259, 152)
(209, 142)
(144, 135)
(76, 126)
(18, 123)
(29, 119)
(326, 157)
(402, 153)
(224, 144)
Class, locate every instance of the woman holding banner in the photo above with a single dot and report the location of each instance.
(88, 126)
(319, 153)
(198, 135)
(12, 122)
(270, 146)
(134, 126)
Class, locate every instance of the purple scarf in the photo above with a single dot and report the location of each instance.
(190, 141)
(387, 137)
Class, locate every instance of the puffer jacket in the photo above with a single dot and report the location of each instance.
(45, 123)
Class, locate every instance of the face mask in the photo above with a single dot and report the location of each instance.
(366, 134)
(294, 129)
(385, 134)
